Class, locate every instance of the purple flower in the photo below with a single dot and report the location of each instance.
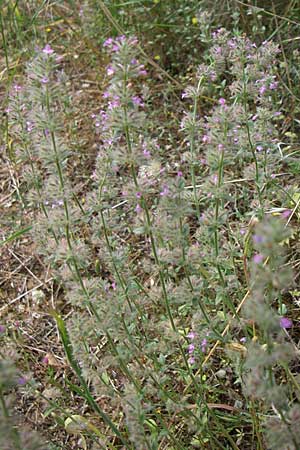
(21, 381)
(285, 322)
(45, 80)
(191, 360)
(48, 50)
(258, 258)
(2, 329)
(146, 153)
(138, 195)
(191, 348)
(286, 213)
(108, 42)
(110, 70)
(136, 100)
(17, 87)
(262, 89)
(138, 209)
(142, 72)
(29, 126)
(191, 335)
(203, 345)
(115, 103)
(179, 174)
(222, 101)
(258, 239)
(164, 192)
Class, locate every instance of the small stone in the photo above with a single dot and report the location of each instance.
(221, 374)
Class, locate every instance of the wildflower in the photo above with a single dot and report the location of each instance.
(191, 348)
(136, 100)
(2, 329)
(285, 322)
(191, 360)
(108, 42)
(191, 335)
(45, 80)
(110, 70)
(179, 174)
(286, 213)
(142, 72)
(203, 345)
(21, 381)
(29, 126)
(258, 258)
(164, 192)
(138, 195)
(222, 101)
(48, 50)
(138, 209)
(258, 239)
(262, 89)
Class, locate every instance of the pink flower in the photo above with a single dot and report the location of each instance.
(285, 322)
(48, 50)
(138, 209)
(286, 213)
(110, 70)
(22, 381)
(191, 335)
(222, 101)
(191, 348)
(164, 192)
(136, 100)
(203, 345)
(108, 42)
(258, 258)
(262, 89)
